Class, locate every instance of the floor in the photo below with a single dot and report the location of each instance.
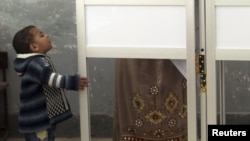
(64, 139)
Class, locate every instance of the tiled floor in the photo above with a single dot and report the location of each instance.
(65, 139)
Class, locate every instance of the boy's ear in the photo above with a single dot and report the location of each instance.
(34, 48)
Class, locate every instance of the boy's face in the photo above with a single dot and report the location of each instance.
(41, 42)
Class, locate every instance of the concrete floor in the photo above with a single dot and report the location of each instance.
(65, 139)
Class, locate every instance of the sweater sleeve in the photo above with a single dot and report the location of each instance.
(53, 79)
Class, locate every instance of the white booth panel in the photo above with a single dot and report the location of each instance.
(135, 2)
(136, 26)
(232, 27)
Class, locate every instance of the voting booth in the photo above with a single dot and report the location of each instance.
(150, 29)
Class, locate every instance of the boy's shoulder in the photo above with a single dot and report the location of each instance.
(39, 60)
(25, 62)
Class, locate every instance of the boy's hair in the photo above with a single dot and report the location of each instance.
(22, 40)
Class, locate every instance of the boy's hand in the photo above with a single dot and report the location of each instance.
(83, 82)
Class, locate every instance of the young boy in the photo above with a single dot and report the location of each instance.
(43, 103)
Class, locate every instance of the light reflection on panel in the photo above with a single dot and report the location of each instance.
(101, 96)
(232, 29)
(237, 91)
(136, 26)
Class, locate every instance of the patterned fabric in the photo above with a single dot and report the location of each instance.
(150, 101)
(42, 101)
(56, 101)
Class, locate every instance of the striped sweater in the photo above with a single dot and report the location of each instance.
(42, 99)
